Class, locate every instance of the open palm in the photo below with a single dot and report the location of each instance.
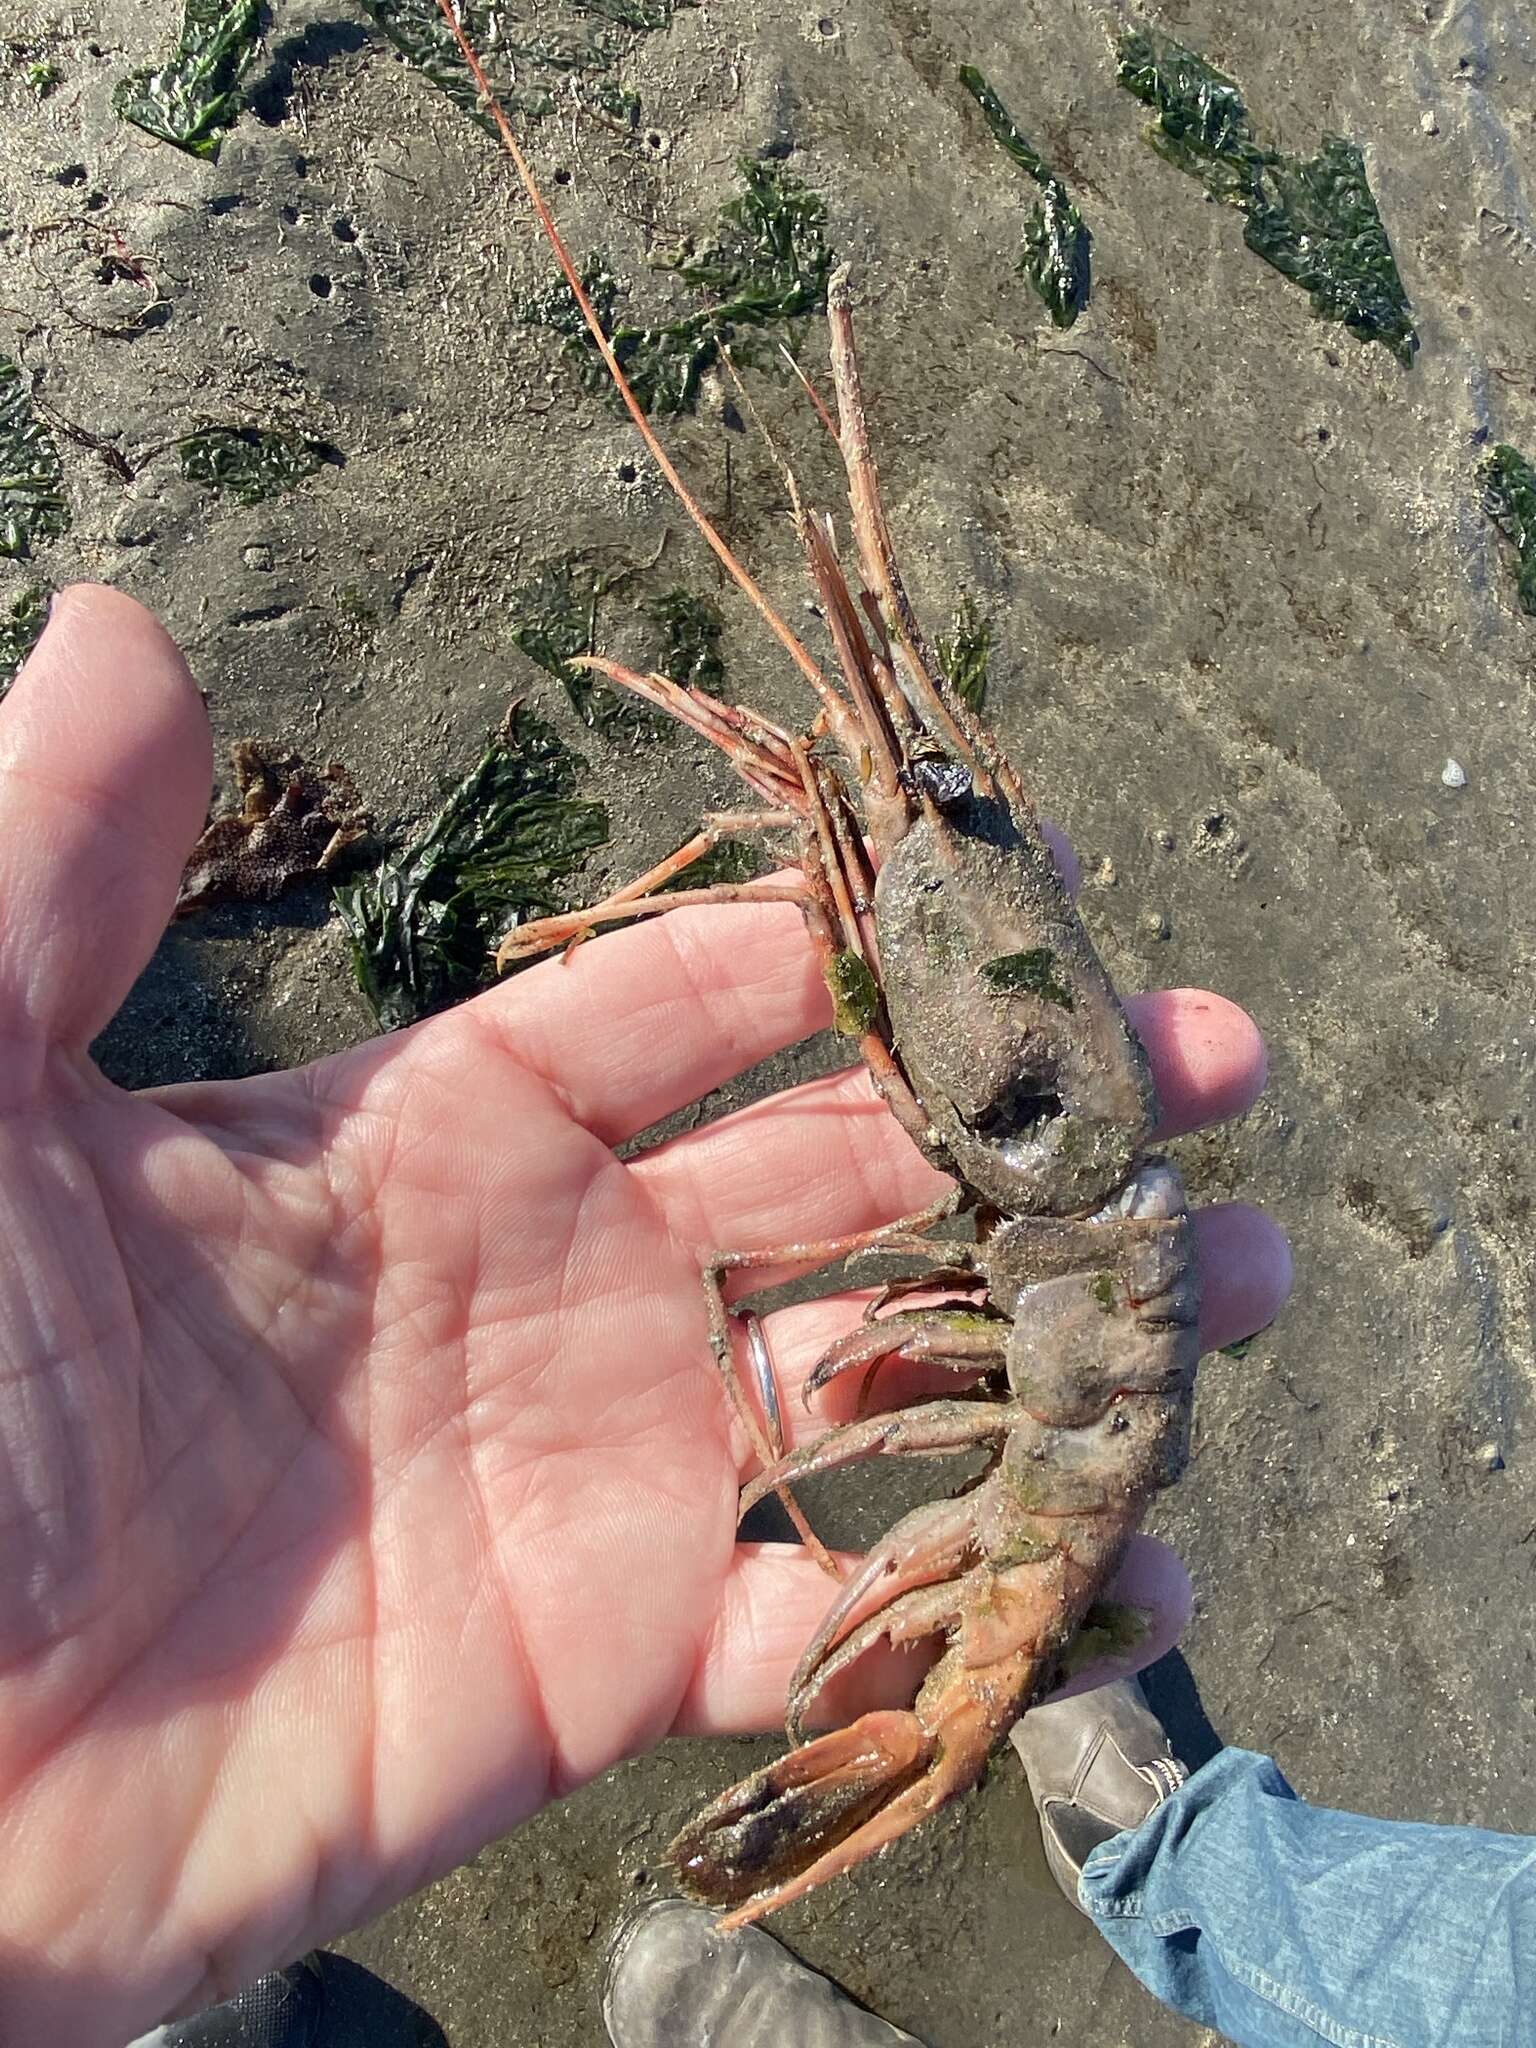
(364, 1477)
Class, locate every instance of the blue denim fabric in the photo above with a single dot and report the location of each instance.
(1284, 1925)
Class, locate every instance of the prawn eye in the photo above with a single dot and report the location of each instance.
(941, 778)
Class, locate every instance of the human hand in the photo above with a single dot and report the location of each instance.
(365, 1480)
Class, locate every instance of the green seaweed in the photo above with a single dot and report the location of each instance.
(1103, 1291)
(969, 1322)
(33, 508)
(534, 65)
(663, 363)
(767, 261)
(554, 618)
(965, 653)
(1032, 972)
(21, 626)
(1057, 255)
(250, 463)
(423, 925)
(1314, 219)
(41, 77)
(1202, 120)
(855, 994)
(193, 99)
(354, 607)
(1110, 1628)
(765, 267)
(691, 627)
(1509, 499)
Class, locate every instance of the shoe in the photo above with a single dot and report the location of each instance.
(280, 2010)
(1097, 1764)
(675, 1981)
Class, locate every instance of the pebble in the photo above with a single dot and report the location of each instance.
(1156, 924)
(135, 527)
(257, 556)
(1453, 775)
(1490, 1457)
(1429, 124)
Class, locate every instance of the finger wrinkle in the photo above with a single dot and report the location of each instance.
(688, 945)
(102, 805)
(498, 1033)
(829, 1146)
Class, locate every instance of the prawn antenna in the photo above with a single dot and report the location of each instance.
(739, 575)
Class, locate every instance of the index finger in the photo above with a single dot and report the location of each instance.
(827, 1159)
(639, 1022)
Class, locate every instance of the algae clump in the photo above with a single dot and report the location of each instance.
(1057, 255)
(1314, 218)
(554, 619)
(732, 861)
(193, 99)
(965, 654)
(765, 267)
(1509, 498)
(33, 508)
(1032, 972)
(855, 994)
(250, 463)
(21, 626)
(424, 924)
(565, 51)
(559, 54)
(691, 627)
(1111, 1628)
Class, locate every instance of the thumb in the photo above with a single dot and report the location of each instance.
(104, 777)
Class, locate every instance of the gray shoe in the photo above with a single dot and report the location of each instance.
(1096, 1764)
(675, 1981)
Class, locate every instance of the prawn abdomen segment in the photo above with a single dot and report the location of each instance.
(1103, 1315)
(1007, 1026)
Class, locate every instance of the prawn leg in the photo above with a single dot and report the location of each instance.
(723, 1322)
(643, 898)
(959, 1338)
(933, 1429)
